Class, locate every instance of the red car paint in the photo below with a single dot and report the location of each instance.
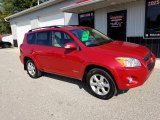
(74, 63)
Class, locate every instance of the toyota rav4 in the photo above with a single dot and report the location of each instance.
(86, 54)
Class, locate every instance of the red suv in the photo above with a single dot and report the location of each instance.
(86, 54)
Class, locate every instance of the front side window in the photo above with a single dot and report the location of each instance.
(43, 38)
(91, 37)
(31, 38)
(59, 39)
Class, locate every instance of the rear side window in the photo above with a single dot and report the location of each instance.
(43, 38)
(31, 38)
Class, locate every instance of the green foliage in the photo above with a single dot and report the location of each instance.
(4, 26)
(9, 7)
(0, 6)
(23, 4)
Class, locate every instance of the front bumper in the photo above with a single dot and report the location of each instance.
(139, 75)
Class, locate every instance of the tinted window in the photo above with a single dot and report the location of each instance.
(31, 38)
(59, 39)
(152, 29)
(43, 38)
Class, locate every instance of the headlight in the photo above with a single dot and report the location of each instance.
(128, 62)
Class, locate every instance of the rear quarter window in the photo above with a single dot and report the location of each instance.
(31, 38)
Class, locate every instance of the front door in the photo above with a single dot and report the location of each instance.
(117, 25)
(65, 62)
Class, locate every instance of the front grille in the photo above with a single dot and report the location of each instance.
(147, 57)
(150, 66)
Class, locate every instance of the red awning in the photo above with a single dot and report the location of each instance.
(81, 3)
(91, 5)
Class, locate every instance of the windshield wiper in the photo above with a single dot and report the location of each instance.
(101, 43)
(105, 42)
(92, 45)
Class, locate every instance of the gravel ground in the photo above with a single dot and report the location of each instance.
(53, 97)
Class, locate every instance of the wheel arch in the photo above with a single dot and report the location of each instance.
(92, 66)
(25, 61)
(34, 60)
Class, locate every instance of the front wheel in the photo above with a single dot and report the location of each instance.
(101, 84)
(32, 70)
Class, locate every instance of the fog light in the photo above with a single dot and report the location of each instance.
(130, 79)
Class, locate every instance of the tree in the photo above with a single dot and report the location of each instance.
(21, 5)
(9, 7)
(0, 5)
(4, 26)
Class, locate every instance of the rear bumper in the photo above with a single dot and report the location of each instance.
(21, 57)
(139, 75)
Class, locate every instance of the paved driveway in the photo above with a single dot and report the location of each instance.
(57, 98)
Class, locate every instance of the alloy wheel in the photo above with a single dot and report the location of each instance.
(99, 84)
(31, 69)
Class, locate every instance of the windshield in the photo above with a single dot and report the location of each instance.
(91, 37)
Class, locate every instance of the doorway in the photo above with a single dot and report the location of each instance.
(117, 22)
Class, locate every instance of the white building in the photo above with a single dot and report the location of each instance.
(129, 20)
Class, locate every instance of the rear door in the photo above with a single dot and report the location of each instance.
(42, 50)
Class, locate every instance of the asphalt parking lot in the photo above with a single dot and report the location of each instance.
(53, 97)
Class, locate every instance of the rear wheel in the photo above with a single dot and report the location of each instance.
(101, 84)
(32, 70)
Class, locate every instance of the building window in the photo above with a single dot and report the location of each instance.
(152, 27)
(86, 19)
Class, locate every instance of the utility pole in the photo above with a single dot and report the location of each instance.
(38, 2)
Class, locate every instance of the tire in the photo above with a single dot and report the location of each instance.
(101, 84)
(6, 45)
(32, 70)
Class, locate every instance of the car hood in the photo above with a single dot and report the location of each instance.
(122, 49)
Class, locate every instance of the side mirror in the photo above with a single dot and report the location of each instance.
(70, 46)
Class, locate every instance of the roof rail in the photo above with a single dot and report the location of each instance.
(55, 26)
(44, 27)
